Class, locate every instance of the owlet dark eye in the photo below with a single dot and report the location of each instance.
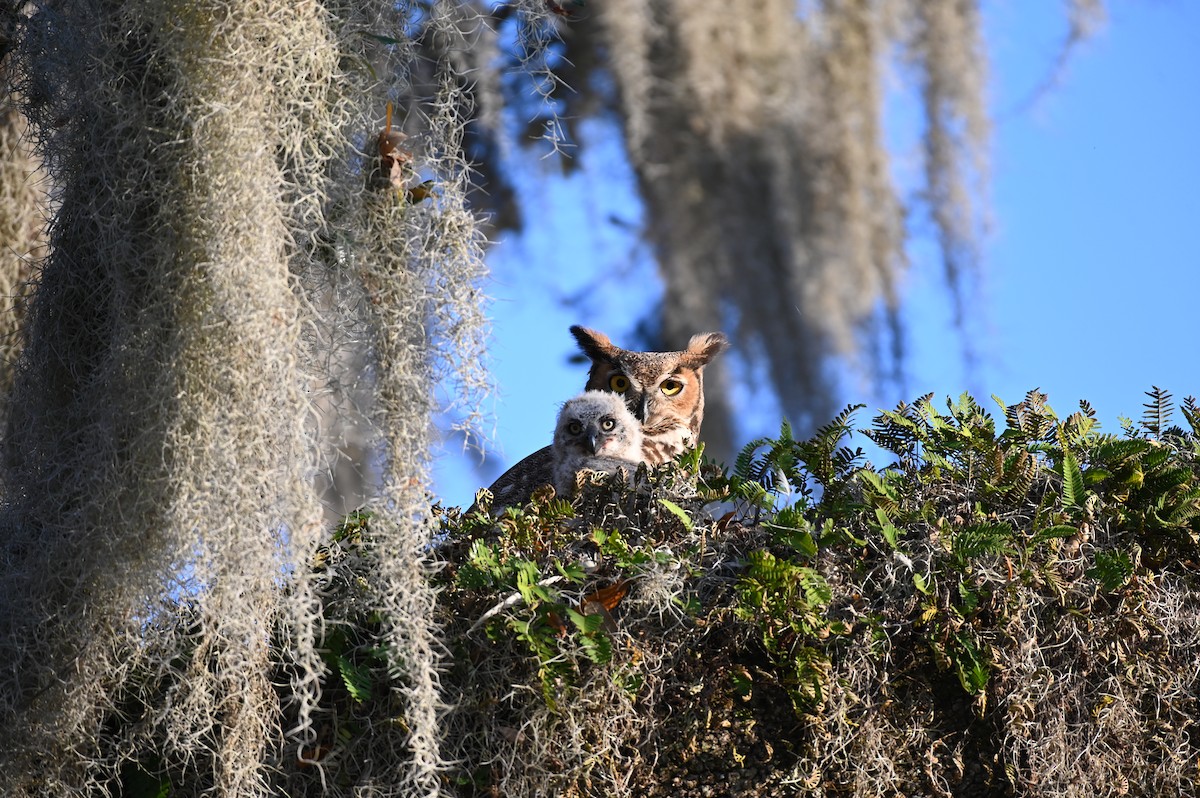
(671, 387)
(574, 428)
(607, 424)
(618, 383)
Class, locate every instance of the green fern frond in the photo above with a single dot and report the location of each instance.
(1158, 411)
(1112, 451)
(1191, 412)
(974, 422)
(785, 432)
(1073, 490)
(1077, 428)
(1032, 418)
(970, 663)
(845, 459)
(1020, 469)
(978, 540)
(895, 431)
(878, 489)
(831, 434)
(1185, 508)
(744, 462)
(826, 460)
(1159, 482)
(1113, 569)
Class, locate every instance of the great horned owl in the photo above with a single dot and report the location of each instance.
(663, 390)
(595, 432)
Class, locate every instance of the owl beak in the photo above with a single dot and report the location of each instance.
(591, 440)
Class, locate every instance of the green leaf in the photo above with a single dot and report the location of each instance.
(978, 540)
(1113, 569)
(1073, 492)
(379, 37)
(743, 682)
(572, 572)
(972, 667)
(742, 466)
(588, 624)
(970, 599)
(527, 583)
(1158, 411)
(797, 539)
(595, 643)
(1051, 532)
(792, 529)
(920, 583)
(357, 679)
(890, 532)
(679, 513)
(816, 590)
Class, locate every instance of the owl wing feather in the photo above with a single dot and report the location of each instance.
(515, 486)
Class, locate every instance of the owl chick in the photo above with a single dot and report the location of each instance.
(595, 432)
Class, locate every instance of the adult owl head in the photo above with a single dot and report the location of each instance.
(663, 390)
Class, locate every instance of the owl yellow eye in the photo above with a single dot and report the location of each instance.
(671, 387)
(574, 428)
(607, 424)
(618, 383)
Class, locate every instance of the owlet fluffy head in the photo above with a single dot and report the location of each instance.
(598, 424)
(596, 432)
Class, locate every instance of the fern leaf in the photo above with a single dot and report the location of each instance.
(978, 540)
(1072, 481)
(1112, 569)
(1113, 451)
(830, 435)
(889, 530)
(679, 513)
(356, 678)
(1019, 471)
(1032, 418)
(1187, 508)
(1160, 482)
(1191, 412)
(742, 464)
(1158, 411)
(1051, 532)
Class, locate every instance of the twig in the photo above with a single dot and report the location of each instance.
(509, 601)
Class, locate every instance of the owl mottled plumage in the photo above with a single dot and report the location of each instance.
(663, 390)
(595, 432)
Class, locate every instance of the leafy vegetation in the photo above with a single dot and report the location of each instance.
(1008, 607)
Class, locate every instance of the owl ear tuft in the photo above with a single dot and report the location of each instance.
(704, 347)
(596, 345)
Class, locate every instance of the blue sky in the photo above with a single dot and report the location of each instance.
(1091, 268)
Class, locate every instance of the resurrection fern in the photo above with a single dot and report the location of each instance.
(788, 602)
(792, 469)
(898, 631)
(1158, 411)
(1191, 412)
